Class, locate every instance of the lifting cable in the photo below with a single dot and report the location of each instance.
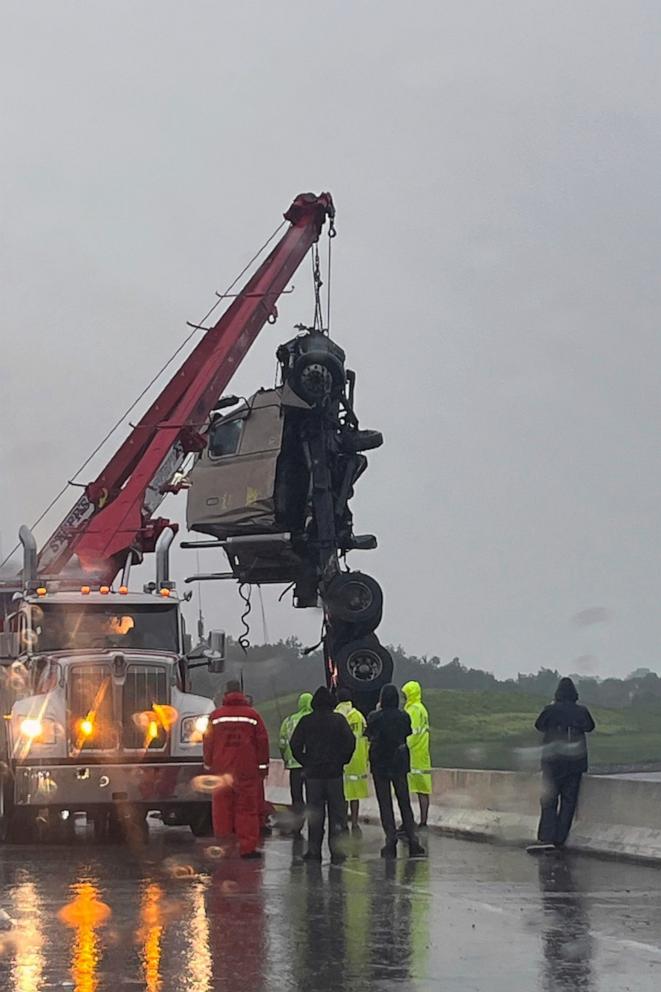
(318, 322)
(149, 385)
(245, 592)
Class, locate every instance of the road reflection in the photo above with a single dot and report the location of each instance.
(237, 925)
(85, 914)
(199, 966)
(566, 935)
(28, 941)
(150, 936)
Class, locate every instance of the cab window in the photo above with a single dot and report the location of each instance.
(225, 437)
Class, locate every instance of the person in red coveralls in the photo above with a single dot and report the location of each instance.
(236, 748)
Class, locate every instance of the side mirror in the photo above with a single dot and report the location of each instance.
(215, 652)
(210, 653)
(216, 642)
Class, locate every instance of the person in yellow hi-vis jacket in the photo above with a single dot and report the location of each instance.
(418, 742)
(296, 781)
(355, 773)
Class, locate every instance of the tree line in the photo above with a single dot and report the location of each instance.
(272, 670)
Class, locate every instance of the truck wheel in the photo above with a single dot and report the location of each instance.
(200, 823)
(364, 665)
(18, 826)
(354, 597)
(101, 825)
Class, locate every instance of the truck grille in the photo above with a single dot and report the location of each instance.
(145, 686)
(90, 692)
(94, 696)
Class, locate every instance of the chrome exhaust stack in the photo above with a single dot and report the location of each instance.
(29, 576)
(126, 571)
(163, 559)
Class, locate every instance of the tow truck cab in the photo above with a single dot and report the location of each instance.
(99, 717)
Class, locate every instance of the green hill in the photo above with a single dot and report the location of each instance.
(495, 730)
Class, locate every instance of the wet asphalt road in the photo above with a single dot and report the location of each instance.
(174, 917)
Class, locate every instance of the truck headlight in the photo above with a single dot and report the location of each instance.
(193, 728)
(38, 731)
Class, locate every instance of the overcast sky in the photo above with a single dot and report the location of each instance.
(495, 169)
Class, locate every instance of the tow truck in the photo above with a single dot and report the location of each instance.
(99, 717)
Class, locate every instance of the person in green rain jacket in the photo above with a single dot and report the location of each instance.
(355, 773)
(418, 742)
(296, 781)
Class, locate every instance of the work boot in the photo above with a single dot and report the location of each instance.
(417, 851)
(311, 856)
(252, 855)
(389, 851)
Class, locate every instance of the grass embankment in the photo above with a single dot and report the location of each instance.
(495, 730)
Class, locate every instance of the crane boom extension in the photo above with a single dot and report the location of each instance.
(115, 514)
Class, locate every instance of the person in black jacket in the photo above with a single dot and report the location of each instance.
(387, 730)
(564, 760)
(323, 744)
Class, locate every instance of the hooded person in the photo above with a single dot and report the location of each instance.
(355, 773)
(564, 724)
(323, 744)
(388, 729)
(296, 780)
(420, 774)
(236, 749)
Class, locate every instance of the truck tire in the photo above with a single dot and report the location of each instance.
(200, 823)
(364, 665)
(315, 376)
(356, 598)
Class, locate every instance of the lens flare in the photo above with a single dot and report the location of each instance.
(31, 727)
(167, 715)
(212, 783)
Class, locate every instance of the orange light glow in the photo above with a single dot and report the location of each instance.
(85, 914)
(150, 935)
(85, 590)
(165, 593)
(81, 734)
(41, 591)
(123, 590)
(167, 715)
(87, 727)
(152, 730)
(104, 590)
(119, 626)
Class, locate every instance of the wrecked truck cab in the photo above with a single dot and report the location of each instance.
(249, 488)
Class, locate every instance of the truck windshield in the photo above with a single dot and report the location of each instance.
(67, 627)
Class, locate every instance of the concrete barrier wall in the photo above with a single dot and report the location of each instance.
(617, 817)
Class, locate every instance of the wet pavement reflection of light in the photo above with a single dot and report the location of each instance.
(175, 916)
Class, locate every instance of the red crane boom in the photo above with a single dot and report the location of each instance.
(114, 516)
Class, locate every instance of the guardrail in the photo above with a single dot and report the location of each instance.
(615, 817)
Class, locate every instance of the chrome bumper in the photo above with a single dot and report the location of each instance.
(82, 785)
